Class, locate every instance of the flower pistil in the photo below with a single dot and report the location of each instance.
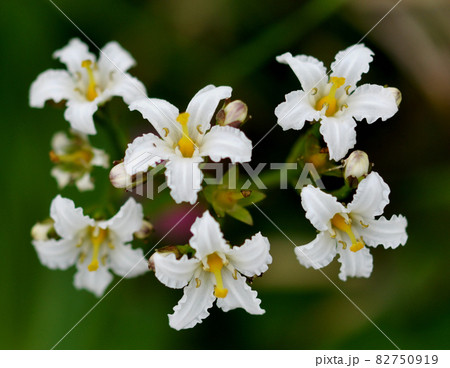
(330, 99)
(98, 236)
(91, 93)
(186, 144)
(339, 222)
(215, 264)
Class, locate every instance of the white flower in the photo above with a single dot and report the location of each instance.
(184, 139)
(87, 83)
(74, 159)
(214, 273)
(94, 246)
(335, 102)
(348, 230)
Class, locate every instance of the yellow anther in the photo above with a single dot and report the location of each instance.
(98, 236)
(340, 223)
(313, 91)
(215, 264)
(199, 129)
(185, 143)
(364, 225)
(235, 274)
(330, 100)
(344, 244)
(91, 93)
(198, 282)
(82, 257)
(166, 132)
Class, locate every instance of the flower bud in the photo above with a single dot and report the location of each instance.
(233, 114)
(119, 177)
(144, 231)
(151, 262)
(356, 166)
(397, 94)
(42, 230)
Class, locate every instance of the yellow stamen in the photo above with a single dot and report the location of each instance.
(330, 100)
(340, 223)
(185, 143)
(98, 236)
(215, 264)
(198, 282)
(91, 93)
(82, 257)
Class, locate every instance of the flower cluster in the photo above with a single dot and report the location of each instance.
(207, 267)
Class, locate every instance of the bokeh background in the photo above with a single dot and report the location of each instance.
(181, 46)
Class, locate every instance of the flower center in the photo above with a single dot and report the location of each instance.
(79, 158)
(98, 236)
(186, 144)
(91, 93)
(340, 223)
(330, 100)
(215, 264)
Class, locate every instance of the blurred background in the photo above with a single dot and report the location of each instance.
(181, 46)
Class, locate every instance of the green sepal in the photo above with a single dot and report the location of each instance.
(241, 214)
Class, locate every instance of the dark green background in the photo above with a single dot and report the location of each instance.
(181, 46)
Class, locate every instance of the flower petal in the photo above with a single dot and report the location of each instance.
(127, 221)
(226, 142)
(60, 142)
(240, 295)
(351, 63)
(390, 233)
(207, 237)
(127, 262)
(172, 272)
(79, 114)
(184, 178)
(295, 111)
(320, 207)
(73, 54)
(310, 72)
(57, 254)
(68, 219)
(370, 198)
(253, 257)
(129, 88)
(371, 102)
(144, 152)
(339, 134)
(101, 158)
(85, 183)
(202, 107)
(318, 253)
(355, 264)
(94, 281)
(193, 306)
(62, 177)
(162, 115)
(114, 58)
(56, 85)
